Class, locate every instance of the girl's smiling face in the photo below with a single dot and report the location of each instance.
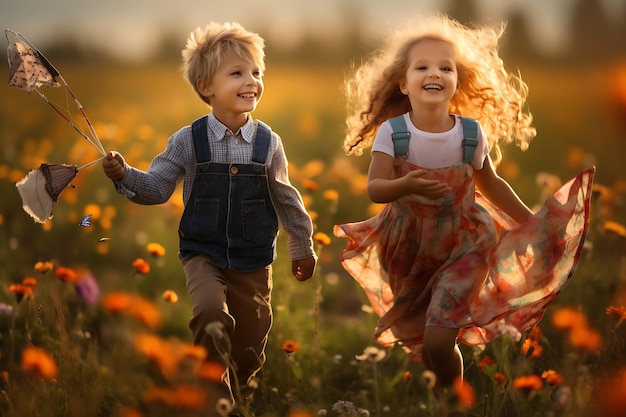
(431, 77)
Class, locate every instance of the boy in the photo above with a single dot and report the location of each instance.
(235, 190)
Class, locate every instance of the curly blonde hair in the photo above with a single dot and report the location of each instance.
(487, 92)
(205, 50)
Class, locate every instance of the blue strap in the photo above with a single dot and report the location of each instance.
(470, 139)
(400, 136)
(262, 141)
(201, 140)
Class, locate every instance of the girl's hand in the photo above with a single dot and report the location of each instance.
(431, 189)
(114, 165)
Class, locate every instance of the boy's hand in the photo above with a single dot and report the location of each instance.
(114, 165)
(303, 269)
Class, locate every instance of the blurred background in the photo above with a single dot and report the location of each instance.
(122, 60)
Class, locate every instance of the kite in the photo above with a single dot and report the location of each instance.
(29, 70)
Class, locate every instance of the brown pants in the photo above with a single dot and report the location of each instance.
(241, 302)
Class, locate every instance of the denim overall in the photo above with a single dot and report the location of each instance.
(230, 216)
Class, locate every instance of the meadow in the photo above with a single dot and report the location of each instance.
(93, 320)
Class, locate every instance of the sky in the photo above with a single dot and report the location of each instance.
(132, 28)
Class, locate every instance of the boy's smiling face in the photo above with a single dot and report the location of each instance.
(235, 90)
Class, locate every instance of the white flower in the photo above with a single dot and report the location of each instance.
(429, 378)
(345, 408)
(322, 412)
(215, 329)
(224, 407)
(372, 354)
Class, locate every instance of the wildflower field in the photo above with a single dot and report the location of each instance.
(93, 320)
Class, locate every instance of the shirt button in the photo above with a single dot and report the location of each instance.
(234, 170)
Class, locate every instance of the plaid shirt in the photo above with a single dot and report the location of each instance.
(156, 185)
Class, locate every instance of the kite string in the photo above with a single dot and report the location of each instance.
(91, 163)
(98, 146)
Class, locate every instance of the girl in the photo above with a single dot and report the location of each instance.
(455, 254)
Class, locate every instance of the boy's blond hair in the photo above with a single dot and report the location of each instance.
(486, 91)
(206, 48)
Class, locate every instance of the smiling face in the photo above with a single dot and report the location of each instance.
(234, 91)
(431, 78)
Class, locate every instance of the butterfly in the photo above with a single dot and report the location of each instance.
(85, 222)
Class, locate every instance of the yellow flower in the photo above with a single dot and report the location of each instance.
(44, 267)
(615, 227)
(156, 249)
(321, 238)
(170, 296)
(331, 195)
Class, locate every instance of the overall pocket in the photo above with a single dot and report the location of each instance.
(255, 220)
(204, 219)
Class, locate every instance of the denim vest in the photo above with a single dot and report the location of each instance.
(230, 216)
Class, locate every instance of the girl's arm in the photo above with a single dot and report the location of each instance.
(500, 193)
(383, 188)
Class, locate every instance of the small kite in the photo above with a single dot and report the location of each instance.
(28, 71)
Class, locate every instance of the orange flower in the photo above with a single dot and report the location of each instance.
(406, 377)
(146, 312)
(568, 318)
(187, 350)
(464, 392)
(44, 267)
(170, 296)
(499, 377)
(531, 348)
(187, 397)
(528, 382)
(39, 363)
(321, 238)
(310, 185)
(156, 249)
(141, 266)
(289, 346)
(614, 227)
(299, 413)
(117, 302)
(485, 361)
(66, 274)
(617, 312)
(609, 395)
(20, 290)
(552, 377)
(331, 195)
(29, 282)
(210, 371)
(157, 351)
(585, 338)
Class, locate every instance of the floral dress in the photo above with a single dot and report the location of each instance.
(460, 262)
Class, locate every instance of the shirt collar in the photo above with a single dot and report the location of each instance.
(220, 130)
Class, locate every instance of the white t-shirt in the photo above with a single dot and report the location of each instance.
(432, 150)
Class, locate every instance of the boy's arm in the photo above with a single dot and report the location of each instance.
(290, 208)
(157, 184)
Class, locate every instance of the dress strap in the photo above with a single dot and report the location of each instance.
(400, 136)
(470, 139)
